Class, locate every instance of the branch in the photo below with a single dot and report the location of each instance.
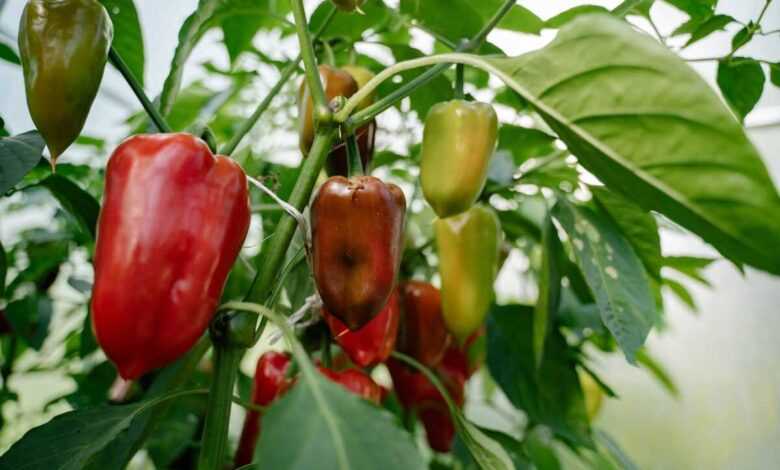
(153, 113)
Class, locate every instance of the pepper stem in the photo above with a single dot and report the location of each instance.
(459, 81)
(354, 162)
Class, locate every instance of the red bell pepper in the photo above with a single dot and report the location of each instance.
(374, 342)
(357, 382)
(173, 220)
(422, 333)
(270, 382)
(357, 239)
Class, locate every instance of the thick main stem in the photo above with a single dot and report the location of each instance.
(321, 110)
(214, 444)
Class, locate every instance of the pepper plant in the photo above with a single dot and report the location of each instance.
(379, 281)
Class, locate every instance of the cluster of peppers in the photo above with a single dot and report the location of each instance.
(179, 259)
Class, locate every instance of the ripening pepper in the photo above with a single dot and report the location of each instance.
(468, 246)
(374, 342)
(348, 5)
(458, 141)
(357, 382)
(64, 46)
(173, 220)
(357, 239)
(422, 333)
(336, 83)
(270, 382)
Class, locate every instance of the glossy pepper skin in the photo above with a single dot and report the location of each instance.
(422, 334)
(270, 382)
(374, 342)
(357, 382)
(458, 141)
(64, 46)
(357, 239)
(173, 220)
(468, 246)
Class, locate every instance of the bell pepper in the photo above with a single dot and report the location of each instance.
(357, 382)
(422, 333)
(270, 382)
(417, 394)
(173, 220)
(63, 47)
(374, 342)
(348, 5)
(468, 246)
(357, 239)
(458, 141)
(338, 82)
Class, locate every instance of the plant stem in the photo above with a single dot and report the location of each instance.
(365, 115)
(214, 444)
(763, 12)
(459, 81)
(354, 162)
(321, 110)
(284, 78)
(153, 113)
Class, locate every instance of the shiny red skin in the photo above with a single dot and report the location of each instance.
(417, 393)
(357, 382)
(173, 220)
(357, 241)
(422, 334)
(270, 382)
(374, 342)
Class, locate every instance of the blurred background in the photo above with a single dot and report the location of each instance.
(725, 360)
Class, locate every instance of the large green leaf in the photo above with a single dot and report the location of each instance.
(549, 288)
(614, 273)
(18, 155)
(650, 128)
(437, 17)
(128, 38)
(742, 82)
(375, 17)
(550, 394)
(76, 202)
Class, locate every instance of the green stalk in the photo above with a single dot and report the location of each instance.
(459, 81)
(367, 114)
(322, 113)
(154, 115)
(214, 444)
(354, 162)
(284, 78)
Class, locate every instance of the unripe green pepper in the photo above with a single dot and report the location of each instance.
(64, 47)
(468, 246)
(458, 141)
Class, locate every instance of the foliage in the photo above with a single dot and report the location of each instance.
(601, 100)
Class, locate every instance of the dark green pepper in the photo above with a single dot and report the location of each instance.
(64, 47)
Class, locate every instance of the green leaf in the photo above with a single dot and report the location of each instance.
(541, 450)
(3, 130)
(30, 317)
(657, 371)
(549, 288)
(437, 16)
(742, 37)
(638, 226)
(319, 424)
(633, 7)
(681, 292)
(774, 74)
(76, 202)
(742, 82)
(70, 440)
(376, 16)
(715, 23)
(18, 155)
(614, 273)
(242, 19)
(550, 394)
(691, 266)
(655, 133)
(190, 33)
(567, 15)
(8, 54)
(519, 18)
(525, 143)
(695, 8)
(488, 453)
(128, 38)
(437, 90)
